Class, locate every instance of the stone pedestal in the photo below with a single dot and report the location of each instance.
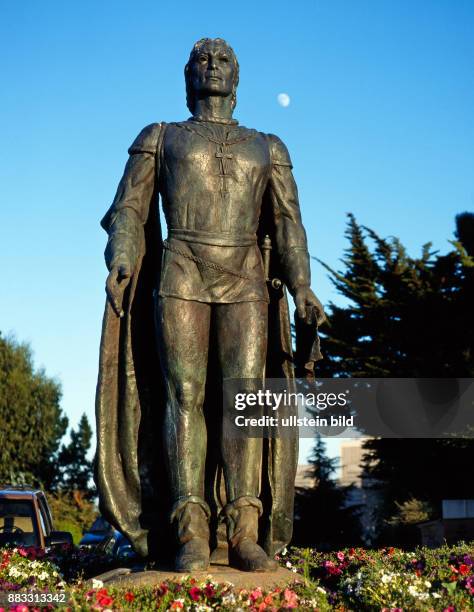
(125, 577)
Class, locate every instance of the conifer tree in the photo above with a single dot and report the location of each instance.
(323, 518)
(406, 317)
(75, 467)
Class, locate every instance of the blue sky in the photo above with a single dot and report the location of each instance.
(380, 124)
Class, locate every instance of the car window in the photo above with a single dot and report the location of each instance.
(17, 522)
(45, 515)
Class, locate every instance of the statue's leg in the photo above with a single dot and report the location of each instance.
(242, 330)
(183, 342)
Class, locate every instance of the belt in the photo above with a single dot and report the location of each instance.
(203, 262)
(213, 238)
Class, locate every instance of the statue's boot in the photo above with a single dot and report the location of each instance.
(192, 517)
(241, 517)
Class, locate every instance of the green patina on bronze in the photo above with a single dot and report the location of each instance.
(180, 319)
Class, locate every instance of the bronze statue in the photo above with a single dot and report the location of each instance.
(185, 314)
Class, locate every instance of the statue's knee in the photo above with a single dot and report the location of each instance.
(188, 397)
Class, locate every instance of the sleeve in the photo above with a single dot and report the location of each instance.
(290, 235)
(129, 211)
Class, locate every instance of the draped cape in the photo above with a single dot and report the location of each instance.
(130, 403)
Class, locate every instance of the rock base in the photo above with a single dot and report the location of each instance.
(125, 577)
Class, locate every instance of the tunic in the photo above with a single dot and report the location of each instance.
(213, 180)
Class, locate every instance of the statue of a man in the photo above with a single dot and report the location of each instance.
(222, 186)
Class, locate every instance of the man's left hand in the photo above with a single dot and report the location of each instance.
(308, 306)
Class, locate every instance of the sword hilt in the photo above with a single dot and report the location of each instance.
(266, 248)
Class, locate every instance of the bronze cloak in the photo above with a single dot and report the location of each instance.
(130, 402)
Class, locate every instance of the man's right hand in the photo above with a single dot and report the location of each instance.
(115, 285)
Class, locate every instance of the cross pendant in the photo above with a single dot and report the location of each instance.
(222, 156)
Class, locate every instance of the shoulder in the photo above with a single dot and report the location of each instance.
(278, 151)
(147, 139)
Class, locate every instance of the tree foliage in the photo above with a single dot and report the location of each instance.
(74, 466)
(31, 418)
(406, 317)
(323, 517)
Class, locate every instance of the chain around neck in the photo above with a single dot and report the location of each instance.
(200, 119)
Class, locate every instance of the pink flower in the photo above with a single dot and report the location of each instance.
(22, 552)
(256, 594)
(291, 598)
(195, 593)
(340, 555)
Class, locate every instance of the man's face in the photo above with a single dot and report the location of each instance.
(212, 71)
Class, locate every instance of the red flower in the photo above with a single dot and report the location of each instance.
(163, 589)
(129, 597)
(103, 598)
(195, 593)
(391, 550)
(464, 569)
(209, 590)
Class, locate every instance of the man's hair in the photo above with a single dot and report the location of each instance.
(190, 96)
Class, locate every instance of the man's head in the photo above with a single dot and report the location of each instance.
(212, 70)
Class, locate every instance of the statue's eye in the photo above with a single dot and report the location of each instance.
(202, 58)
(224, 58)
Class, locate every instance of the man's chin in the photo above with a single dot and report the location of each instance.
(213, 89)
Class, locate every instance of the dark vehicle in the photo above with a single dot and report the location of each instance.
(99, 531)
(25, 519)
(117, 546)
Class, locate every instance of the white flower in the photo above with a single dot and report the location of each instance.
(321, 590)
(386, 578)
(427, 584)
(412, 590)
(13, 572)
(288, 565)
(97, 584)
(228, 599)
(437, 596)
(283, 552)
(43, 576)
(294, 570)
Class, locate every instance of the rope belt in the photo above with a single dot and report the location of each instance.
(213, 238)
(203, 262)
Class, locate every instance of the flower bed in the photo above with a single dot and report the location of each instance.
(351, 579)
(391, 579)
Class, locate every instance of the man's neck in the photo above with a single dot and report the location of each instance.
(214, 108)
